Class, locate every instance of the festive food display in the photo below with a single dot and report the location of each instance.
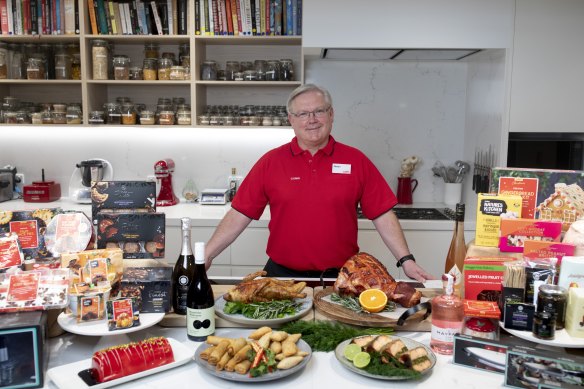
(253, 289)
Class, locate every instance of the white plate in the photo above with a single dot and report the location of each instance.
(66, 376)
(240, 319)
(99, 328)
(233, 376)
(410, 344)
(562, 338)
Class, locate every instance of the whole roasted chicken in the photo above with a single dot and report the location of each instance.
(264, 289)
(363, 271)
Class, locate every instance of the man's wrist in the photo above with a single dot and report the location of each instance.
(405, 258)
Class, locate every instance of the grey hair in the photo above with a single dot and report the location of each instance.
(309, 88)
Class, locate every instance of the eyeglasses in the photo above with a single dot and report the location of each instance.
(318, 113)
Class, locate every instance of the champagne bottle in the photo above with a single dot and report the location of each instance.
(457, 252)
(447, 317)
(184, 270)
(200, 300)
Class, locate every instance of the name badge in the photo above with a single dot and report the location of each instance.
(341, 168)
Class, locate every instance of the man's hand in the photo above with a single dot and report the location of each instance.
(415, 272)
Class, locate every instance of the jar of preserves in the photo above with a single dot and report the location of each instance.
(113, 113)
(166, 118)
(35, 69)
(553, 299)
(151, 50)
(147, 117)
(100, 59)
(286, 70)
(177, 73)
(62, 66)
(260, 66)
(544, 325)
(121, 64)
(209, 71)
(183, 117)
(96, 117)
(74, 115)
(135, 73)
(150, 69)
(128, 114)
(164, 65)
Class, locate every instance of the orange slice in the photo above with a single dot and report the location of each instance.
(373, 300)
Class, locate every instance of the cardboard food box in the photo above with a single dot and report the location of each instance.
(123, 196)
(572, 272)
(483, 277)
(138, 235)
(538, 249)
(524, 187)
(150, 286)
(490, 208)
(531, 367)
(514, 233)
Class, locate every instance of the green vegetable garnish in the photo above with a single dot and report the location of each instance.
(352, 303)
(393, 368)
(326, 335)
(276, 309)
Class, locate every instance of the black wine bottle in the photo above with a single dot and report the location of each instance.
(184, 269)
(200, 300)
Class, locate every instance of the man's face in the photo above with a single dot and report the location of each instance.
(312, 132)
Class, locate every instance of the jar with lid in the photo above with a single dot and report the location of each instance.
(267, 121)
(23, 117)
(113, 113)
(184, 49)
(183, 117)
(135, 73)
(160, 108)
(150, 69)
(128, 114)
(96, 117)
(169, 55)
(185, 62)
(123, 99)
(17, 68)
(46, 51)
(203, 120)
(245, 65)
(249, 121)
(10, 103)
(553, 299)
(36, 118)
(272, 70)
(147, 117)
(74, 115)
(100, 59)
(3, 61)
(59, 117)
(260, 66)
(35, 69)
(121, 64)
(164, 65)
(62, 66)
(9, 117)
(151, 50)
(215, 120)
(166, 118)
(177, 73)
(544, 325)
(75, 67)
(60, 107)
(286, 70)
(46, 117)
(231, 67)
(209, 70)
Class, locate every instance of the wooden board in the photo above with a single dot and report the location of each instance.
(174, 320)
(325, 310)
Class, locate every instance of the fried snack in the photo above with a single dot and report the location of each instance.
(230, 366)
(215, 340)
(276, 347)
(289, 348)
(259, 333)
(264, 341)
(236, 345)
(221, 349)
(242, 354)
(289, 362)
(278, 336)
(205, 353)
(243, 366)
(293, 338)
(222, 362)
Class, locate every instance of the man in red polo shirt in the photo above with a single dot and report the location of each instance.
(314, 185)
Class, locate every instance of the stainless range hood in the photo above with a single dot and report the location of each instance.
(363, 54)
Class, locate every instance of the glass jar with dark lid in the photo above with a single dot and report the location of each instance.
(553, 299)
(35, 69)
(113, 113)
(272, 70)
(96, 117)
(544, 325)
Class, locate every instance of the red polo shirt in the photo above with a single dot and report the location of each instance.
(313, 202)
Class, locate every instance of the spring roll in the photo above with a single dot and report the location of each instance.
(215, 340)
(289, 348)
(243, 366)
(278, 336)
(276, 347)
(230, 366)
(221, 349)
(242, 353)
(236, 345)
(289, 362)
(222, 362)
(205, 353)
(259, 333)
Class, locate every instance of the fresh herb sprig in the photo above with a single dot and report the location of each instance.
(276, 309)
(326, 335)
(352, 303)
(392, 368)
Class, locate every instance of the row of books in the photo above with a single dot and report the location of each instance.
(248, 17)
(137, 17)
(32, 17)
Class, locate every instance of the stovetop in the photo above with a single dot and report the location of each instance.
(419, 213)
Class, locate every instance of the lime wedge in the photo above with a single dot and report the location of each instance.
(351, 350)
(361, 360)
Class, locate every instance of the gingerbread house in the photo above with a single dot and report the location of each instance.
(566, 204)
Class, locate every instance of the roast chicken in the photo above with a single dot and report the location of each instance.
(363, 271)
(253, 289)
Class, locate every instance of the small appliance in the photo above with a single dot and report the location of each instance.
(41, 191)
(163, 170)
(8, 181)
(214, 196)
(95, 169)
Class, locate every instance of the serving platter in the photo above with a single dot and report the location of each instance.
(240, 319)
(233, 376)
(67, 376)
(410, 344)
(99, 328)
(562, 338)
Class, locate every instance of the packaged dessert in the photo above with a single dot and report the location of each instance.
(34, 290)
(149, 282)
(89, 306)
(515, 232)
(122, 313)
(79, 264)
(10, 252)
(68, 232)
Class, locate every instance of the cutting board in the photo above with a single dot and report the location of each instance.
(325, 310)
(174, 320)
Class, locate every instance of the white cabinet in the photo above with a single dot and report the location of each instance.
(547, 76)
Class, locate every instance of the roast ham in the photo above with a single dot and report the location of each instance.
(363, 271)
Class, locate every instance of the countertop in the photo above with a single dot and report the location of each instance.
(211, 215)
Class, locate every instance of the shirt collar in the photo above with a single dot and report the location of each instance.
(328, 149)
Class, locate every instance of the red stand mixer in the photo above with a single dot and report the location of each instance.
(163, 171)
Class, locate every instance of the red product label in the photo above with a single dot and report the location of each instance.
(68, 225)
(9, 253)
(27, 232)
(23, 287)
(524, 187)
(123, 313)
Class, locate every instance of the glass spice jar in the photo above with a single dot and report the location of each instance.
(150, 69)
(166, 118)
(121, 64)
(46, 117)
(73, 114)
(267, 121)
(128, 114)
(250, 75)
(35, 69)
(147, 117)
(183, 117)
(177, 73)
(286, 70)
(113, 113)
(10, 117)
(62, 66)
(96, 117)
(209, 71)
(100, 59)
(164, 65)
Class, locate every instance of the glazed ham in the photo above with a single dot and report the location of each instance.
(363, 271)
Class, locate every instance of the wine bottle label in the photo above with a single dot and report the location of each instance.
(444, 331)
(182, 293)
(200, 322)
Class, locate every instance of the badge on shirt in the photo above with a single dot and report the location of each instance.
(341, 168)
